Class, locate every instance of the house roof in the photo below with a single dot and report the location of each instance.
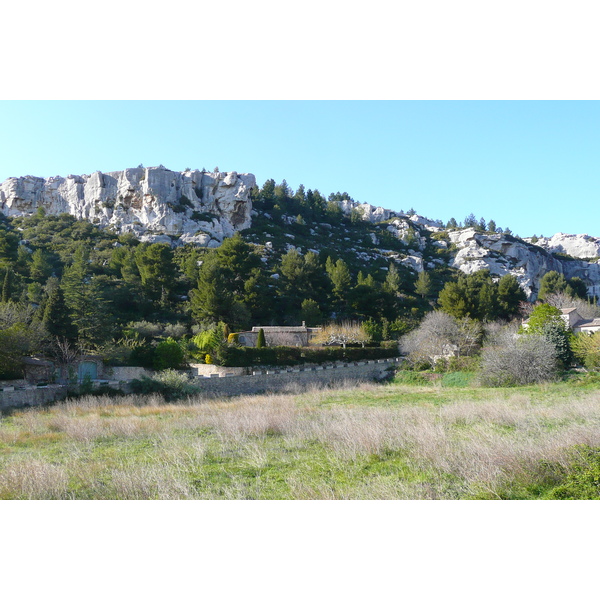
(566, 311)
(39, 362)
(588, 323)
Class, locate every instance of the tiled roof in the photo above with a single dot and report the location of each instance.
(588, 323)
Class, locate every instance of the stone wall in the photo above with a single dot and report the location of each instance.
(204, 370)
(11, 397)
(126, 373)
(223, 384)
(295, 378)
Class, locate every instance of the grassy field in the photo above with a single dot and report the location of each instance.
(366, 441)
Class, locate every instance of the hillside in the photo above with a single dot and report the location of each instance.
(201, 208)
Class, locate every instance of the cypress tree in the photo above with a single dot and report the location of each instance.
(260, 340)
(7, 285)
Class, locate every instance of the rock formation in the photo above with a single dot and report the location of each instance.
(158, 205)
(503, 254)
(576, 245)
(192, 206)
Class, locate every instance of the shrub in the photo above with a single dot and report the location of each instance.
(142, 356)
(587, 349)
(411, 378)
(518, 360)
(168, 355)
(175, 330)
(260, 340)
(208, 359)
(240, 356)
(582, 478)
(172, 385)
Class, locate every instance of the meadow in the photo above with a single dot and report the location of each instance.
(399, 440)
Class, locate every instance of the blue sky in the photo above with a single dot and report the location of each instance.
(530, 165)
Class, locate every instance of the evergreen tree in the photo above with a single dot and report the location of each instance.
(57, 319)
(392, 280)
(423, 284)
(473, 296)
(7, 285)
(267, 192)
(40, 268)
(510, 296)
(577, 288)
(471, 221)
(156, 269)
(492, 226)
(260, 340)
(310, 313)
(550, 283)
(300, 194)
(83, 296)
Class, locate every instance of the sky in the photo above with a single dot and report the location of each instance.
(532, 166)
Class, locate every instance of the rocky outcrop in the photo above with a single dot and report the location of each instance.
(576, 245)
(503, 254)
(192, 206)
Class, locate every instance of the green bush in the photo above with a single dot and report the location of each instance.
(142, 356)
(234, 356)
(168, 355)
(582, 477)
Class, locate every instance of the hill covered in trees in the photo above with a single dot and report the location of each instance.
(295, 256)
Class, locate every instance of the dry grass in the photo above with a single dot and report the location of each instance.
(285, 446)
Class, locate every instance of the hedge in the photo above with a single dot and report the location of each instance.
(236, 356)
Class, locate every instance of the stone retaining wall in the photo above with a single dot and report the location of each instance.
(30, 395)
(225, 384)
(204, 370)
(264, 381)
(126, 373)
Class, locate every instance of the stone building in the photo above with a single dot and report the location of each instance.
(280, 336)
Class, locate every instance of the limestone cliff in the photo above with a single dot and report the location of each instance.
(576, 245)
(153, 203)
(503, 254)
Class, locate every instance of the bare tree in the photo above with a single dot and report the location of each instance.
(588, 310)
(66, 354)
(347, 332)
(441, 336)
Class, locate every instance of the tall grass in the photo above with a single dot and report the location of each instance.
(304, 446)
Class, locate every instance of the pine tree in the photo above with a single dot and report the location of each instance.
(57, 320)
(423, 284)
(392, 280)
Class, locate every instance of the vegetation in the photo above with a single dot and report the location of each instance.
(395, 441)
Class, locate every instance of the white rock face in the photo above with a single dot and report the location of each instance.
(199, 207)
(576, 245)
(527, 263)
(374, 214)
